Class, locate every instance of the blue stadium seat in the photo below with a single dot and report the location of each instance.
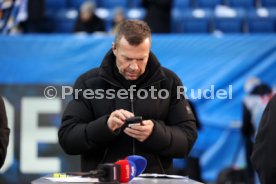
(261, 25)
(65, 26)
(136, 13)
(176, 20)
(242, 3)
(196, 21)
(208, 3)
(229, 25)
(111, 4)
(262, 20)
(181, 4)
(269, 3)
(63, 20)
(230, 21)
(134, 3)
(196, 26)
(55, 4)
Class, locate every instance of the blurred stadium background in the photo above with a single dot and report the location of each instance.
(219, 43)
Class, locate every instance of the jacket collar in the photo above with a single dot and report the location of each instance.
(108, 65)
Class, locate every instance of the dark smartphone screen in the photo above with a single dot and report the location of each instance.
(132, 120)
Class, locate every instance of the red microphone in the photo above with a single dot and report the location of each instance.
(122, 170)
(127, 170)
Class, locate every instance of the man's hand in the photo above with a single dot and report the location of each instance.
(117, 119)
(140, 132)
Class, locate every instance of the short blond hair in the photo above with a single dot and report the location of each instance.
(88, 6)
(134, 31)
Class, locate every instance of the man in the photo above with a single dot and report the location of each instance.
(4, 132)
(88, 21)
(254, 103)
(158, 15)
(92, 127)
(264, 149)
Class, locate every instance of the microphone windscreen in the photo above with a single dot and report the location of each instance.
(127, 170)
(140, 163)
(106, 172)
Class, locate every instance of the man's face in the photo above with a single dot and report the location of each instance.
(131, 60)
(86, 16)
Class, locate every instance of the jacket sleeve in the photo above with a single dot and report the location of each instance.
(264, 149)
(176, 136)
(247, 127)
(4, 133)
(80, 132)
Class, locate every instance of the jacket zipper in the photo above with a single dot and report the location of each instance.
(133, 140)
(132, 110)
(152, 83)
(104, 155)
(160, 164)
(157, 157)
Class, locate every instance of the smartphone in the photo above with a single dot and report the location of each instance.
(132, 120)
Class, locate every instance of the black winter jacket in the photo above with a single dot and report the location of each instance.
(264, 150)
(4, 132)
(84, 129)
